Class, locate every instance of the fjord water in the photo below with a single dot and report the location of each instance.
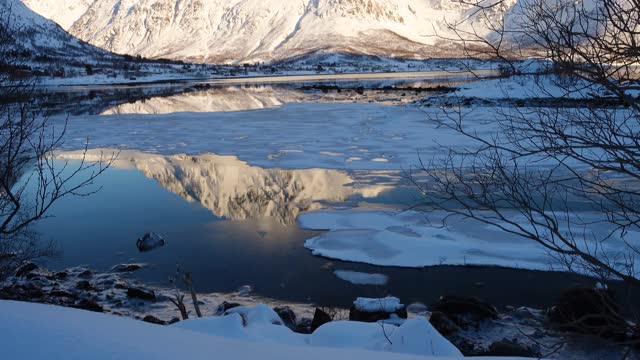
(227, 246)
(233, 223)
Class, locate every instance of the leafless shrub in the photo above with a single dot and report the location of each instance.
(31, 179)
(539, 164)
(178, 298)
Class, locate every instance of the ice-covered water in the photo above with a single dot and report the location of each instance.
(224, 174)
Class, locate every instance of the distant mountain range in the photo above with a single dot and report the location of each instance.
(239, 31)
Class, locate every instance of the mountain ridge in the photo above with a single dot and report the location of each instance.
(242, 31)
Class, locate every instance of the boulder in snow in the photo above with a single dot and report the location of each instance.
(320, 318)
(443, 324)
(85, 285)
(222, 308)
(26, 268)
(465, 311)
(89, 305)
(372, 310)
(153, 320)
(140, 293)
(260, 314)
(149, 242)
(127, 267)
(506, 347)
(287, 315)
(587, 310)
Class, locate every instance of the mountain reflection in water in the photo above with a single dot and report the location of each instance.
(235, 190)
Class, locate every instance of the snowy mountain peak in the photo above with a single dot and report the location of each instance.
(379, 10)
(232, 31)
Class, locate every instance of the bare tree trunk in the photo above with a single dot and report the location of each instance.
(189, 282)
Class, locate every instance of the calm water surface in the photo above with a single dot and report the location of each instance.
(239, 244)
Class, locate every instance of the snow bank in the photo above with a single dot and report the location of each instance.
(409, 338)
(360, 278)
(258, 323)
(37, 331)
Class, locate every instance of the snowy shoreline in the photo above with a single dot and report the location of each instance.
(251, 320)
(288, 77)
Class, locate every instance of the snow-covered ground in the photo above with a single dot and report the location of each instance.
(36, 331)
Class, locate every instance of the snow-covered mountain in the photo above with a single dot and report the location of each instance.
(258, 30)
(42, 38)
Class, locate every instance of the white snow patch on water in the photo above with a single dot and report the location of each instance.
(360, 278)
(392, 238)
(358, 136)
(412, 239)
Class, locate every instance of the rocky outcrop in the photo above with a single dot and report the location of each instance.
(127, 267)
(590, 311)
(510, 348)
(320, 317)
(465, 311)
(26, 268)
(140, 293)
(287, 315)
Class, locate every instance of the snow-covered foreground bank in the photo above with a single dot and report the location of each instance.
(36, 331)
(412, 239)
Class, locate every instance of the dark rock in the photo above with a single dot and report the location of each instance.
(61, 275)
(465, 311)
(26, 268)
(139, 293)
(149, 242)
(87, 304)
(588, 311)
(126, 267)
(120, 285)
(34, 276)
(173, 321)
(467, 348)
(154, 320)
(222, 308)
(84, 285)
(287, 315)
(62, 293)
(635, 336)
(319, 318)
(303, 326)
(506, 347)
(86, 274)
(443, 324)
(27, 292)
